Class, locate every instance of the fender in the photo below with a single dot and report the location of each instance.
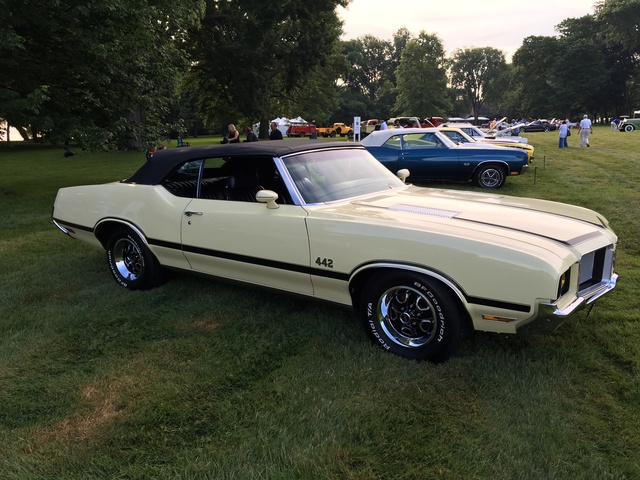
(103, 229)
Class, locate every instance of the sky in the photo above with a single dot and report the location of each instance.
(462, 23)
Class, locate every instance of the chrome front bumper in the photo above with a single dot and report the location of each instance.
(551, 317)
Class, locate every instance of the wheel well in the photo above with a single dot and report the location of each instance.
(492, 163)
(106, 229)
(360, 280)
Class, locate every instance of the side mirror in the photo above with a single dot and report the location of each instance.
(269, 197)
(403, 174)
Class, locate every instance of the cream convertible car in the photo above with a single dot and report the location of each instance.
(421, 266)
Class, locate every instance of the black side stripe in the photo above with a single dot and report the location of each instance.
(294, 268)
(315, 271)
(253, 260)
(516, 307)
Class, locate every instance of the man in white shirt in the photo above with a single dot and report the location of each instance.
(585, 130)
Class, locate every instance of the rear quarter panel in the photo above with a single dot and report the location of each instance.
(151, 209)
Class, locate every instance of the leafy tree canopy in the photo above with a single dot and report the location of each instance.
(480, 73)
(257, 59)
(621, 23)
(101, 73)
(422, 78)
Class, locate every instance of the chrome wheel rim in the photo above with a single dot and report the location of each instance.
(128, 259)
(407, 316)
(490, 178)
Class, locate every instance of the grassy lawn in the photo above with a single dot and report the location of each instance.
(199, 379)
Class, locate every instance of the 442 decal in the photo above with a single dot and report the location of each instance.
(324, 262)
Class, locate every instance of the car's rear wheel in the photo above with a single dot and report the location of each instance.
(489, 176)
(131, 262)
(628, 128)
(412, 316)
(333, 134)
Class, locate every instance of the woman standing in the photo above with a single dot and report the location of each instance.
(564, 133)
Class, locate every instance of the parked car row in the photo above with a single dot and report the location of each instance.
(422, 267)
(430, 155)
(459, 136)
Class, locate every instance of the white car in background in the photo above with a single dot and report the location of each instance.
(460, 137)
(476, 133)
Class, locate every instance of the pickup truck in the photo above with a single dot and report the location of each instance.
(369, 126)
(337, 129)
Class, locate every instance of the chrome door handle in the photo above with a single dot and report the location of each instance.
(188, 214)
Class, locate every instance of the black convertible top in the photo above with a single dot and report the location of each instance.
(163, 162)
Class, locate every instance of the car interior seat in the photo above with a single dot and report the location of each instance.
(242, 188)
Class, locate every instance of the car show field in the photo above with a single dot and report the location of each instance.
(198, 377)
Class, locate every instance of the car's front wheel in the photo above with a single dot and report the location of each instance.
(131, 262)
(490, 176)
(628, 128)
(412, 316)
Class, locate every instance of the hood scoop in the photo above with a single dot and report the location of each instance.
(431, 212)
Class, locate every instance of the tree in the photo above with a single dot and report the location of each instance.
(369, 78)
(531, 93)
(101, 73)
(620, 21)
(256, 59)
(480, 73)
(619, 24)
(422, 78)
(368, 57)
(580, 74)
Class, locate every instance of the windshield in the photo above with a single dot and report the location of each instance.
(425, 140)
(331, 175)
(458, 136)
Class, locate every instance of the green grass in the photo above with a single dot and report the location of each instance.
(199, 379)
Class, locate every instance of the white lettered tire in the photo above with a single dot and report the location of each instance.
(413, 316)
(131, 262)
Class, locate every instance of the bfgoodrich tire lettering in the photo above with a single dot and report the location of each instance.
(131, 262)
(412, 316)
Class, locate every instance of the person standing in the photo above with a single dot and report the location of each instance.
(275, 134)
(564, 133)
(251, 137)
(585, 129)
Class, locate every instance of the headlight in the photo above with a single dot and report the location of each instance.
(564, 283)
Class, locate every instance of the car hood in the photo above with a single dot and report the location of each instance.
(414, 206)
